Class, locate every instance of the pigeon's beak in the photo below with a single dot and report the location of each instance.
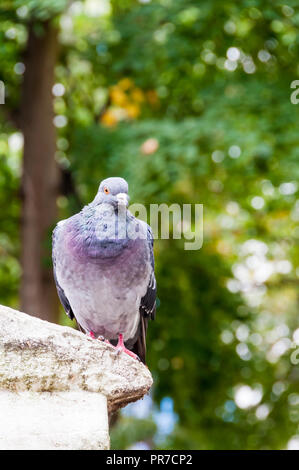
(122, 199)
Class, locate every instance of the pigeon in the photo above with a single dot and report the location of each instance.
(103, 266)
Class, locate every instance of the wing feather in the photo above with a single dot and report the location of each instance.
(147, 308)
(63, 299)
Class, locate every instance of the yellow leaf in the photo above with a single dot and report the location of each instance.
(133, 110)
(118, 97)
(137, 95)
(125, 83)
(152, 97)
(108, 119)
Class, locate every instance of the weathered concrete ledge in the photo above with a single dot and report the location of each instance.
(67, 379)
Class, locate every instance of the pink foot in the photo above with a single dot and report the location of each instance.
(91, 334)
(121, 347)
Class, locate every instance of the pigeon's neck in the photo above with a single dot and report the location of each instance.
(106, 221)
(100, 232)
(94, 211)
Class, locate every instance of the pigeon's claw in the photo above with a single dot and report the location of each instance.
(121, 347)
(102, 338)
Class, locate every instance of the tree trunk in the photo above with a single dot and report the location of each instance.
(40, 179)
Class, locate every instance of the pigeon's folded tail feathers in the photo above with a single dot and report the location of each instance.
(139, 347)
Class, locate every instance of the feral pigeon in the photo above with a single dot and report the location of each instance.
(104, 269)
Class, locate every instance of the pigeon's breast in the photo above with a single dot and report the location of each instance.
(104, 286)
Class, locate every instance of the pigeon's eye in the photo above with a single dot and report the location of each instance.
(106, 190)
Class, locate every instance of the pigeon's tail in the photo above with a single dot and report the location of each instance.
(139, 347)
(80, 327)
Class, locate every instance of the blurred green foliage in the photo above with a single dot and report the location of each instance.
(190, 102)
(132, 430)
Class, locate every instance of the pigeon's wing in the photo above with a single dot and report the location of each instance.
(148, 302)
(60, 291)
(147, 308)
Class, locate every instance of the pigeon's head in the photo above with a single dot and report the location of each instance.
(113, 191)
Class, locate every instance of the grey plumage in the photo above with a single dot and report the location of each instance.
(104, 268)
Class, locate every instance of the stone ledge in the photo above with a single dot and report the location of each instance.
(39, 356)
(56, 420)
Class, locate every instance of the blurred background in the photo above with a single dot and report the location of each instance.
(190, 101)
